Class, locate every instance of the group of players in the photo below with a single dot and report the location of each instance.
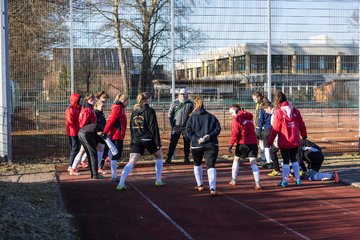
(274, 129)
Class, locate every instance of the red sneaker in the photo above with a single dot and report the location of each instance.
(74, 172)
(336, 177)
(257, 187)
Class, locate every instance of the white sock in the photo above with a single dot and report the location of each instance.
(235, 169)
(285, 172)
(158, 169)
(322, 176)
(83, 158)
(256, 174)
(296, 168)
(76, 160)
(113, 168)
(198, 175)
(261, 146)
(267, 155)
(211, 172)
(125, 172)
(112, 147)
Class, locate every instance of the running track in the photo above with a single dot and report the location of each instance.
(315, 210)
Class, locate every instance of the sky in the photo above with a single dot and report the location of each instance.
(226, 23)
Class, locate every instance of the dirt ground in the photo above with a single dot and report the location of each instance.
(32, 210)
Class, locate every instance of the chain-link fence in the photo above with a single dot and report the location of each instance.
(220, 53)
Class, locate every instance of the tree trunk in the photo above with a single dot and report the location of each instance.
(121, 52)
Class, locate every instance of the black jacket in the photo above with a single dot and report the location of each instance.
(100, 117)
(144, 126)
(202, 123)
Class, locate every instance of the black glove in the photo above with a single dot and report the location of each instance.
(102, 135)
(230, 149)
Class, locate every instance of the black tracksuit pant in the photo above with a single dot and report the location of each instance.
(88, 140)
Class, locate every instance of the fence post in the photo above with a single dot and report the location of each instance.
(224, 118)
(163, 117)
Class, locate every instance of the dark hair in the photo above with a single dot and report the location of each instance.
(237, 107)
(279, 98)
(266, 104)
(258, 94)
(100, 94)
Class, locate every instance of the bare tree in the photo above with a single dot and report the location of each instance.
(35, 27)
(144, 25)
(354, 19)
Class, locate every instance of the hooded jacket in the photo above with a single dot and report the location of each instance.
(202, 123)
(72, 116)
(179, 112)
(116, 124)
(243, 129)
(87, 115)
(289, 125)
(144, 126)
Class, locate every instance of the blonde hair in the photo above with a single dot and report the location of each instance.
(121, 97)
(99, 103)
(199, 103)
(88, 96)
(101, 94)
(140, 99)
(279, 98)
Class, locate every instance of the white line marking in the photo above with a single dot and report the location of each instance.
(267, 217)
(187, 235)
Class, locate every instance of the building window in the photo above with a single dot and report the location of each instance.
(223, 66)
(211, 68)
(350, 64)
(258, 63)
(306, 62)
(239, 64)
(322, 63)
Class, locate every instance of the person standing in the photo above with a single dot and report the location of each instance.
(289, 126)
(243, 135)
(203, 129)
(258, 99)
(179, 113)
(87, 116)
(72, 126)
(115, 128)
(274, 149)
(144, 135)
(263, 131)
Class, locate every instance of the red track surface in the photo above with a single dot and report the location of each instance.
(315, 210)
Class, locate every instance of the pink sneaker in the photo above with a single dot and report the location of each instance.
(83, 164)
(69, 169)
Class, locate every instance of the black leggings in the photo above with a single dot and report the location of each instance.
(209, 152)
(289, 155)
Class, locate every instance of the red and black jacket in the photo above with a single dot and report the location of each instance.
(116, 123)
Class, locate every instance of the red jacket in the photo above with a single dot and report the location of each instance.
(87, 115)
(289, 125)
(116, 123)
(72, 116)
(243, 129)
